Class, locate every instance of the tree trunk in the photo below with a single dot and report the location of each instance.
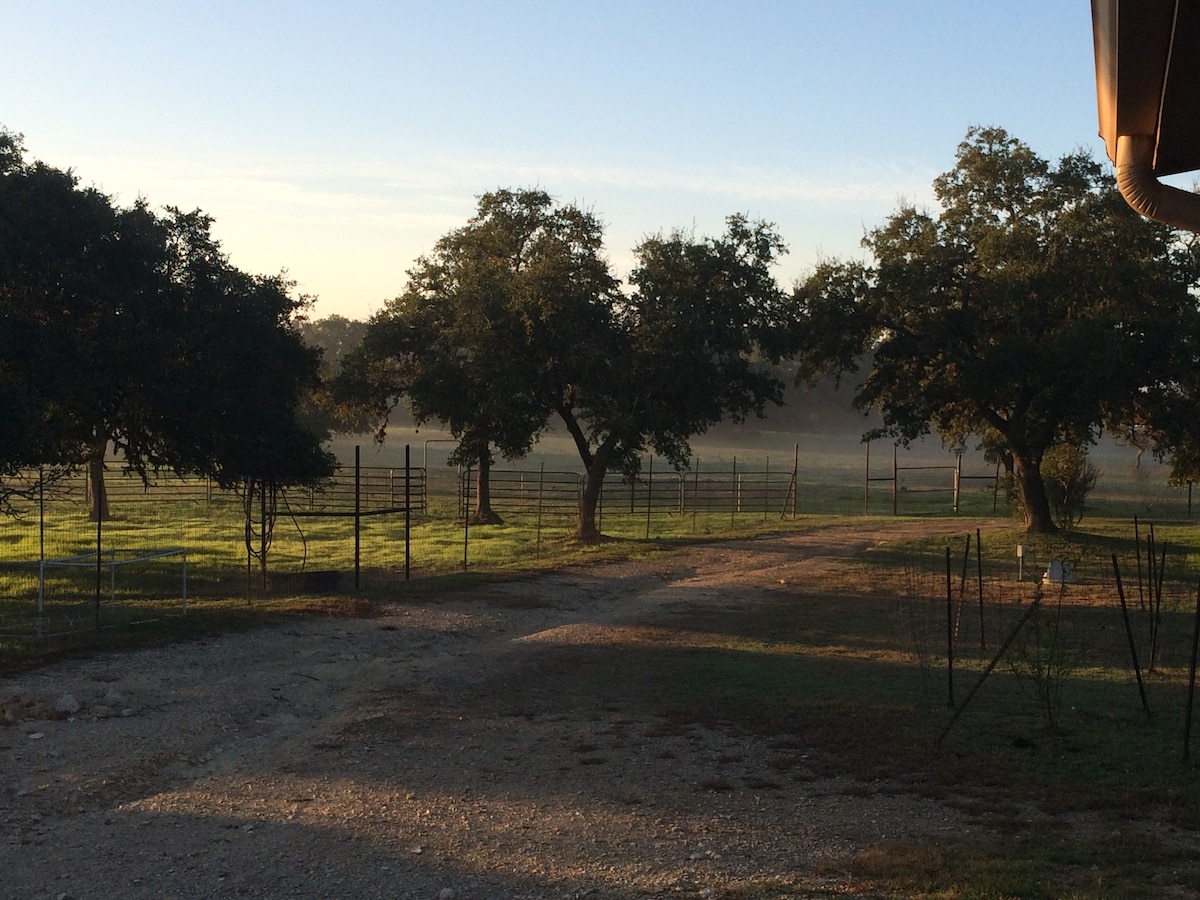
(595, 467)
(97, 492)
(585, 526)
(1036, 503)
(484, 514)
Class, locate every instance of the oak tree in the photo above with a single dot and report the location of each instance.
(516, 318)
(1033, 309)
(125, 327)
(464, 344)
(693, 344)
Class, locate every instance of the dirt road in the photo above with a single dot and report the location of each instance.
(438, 750)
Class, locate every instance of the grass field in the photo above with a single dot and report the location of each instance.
(1077, 788)
(729, 490)
(1083, 787)
(881, 666)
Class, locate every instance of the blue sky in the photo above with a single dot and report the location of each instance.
(339, 141)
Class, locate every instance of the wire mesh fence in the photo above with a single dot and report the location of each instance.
(374, 525)
(1109, 637)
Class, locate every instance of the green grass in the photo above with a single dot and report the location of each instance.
(851, 670)
(78, 600)
(848, 677)
(832, 666)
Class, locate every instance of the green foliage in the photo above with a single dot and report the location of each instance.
(1035, 308)
(475, 339)
(454, 343)
(680, 353)
(704, 318)
(128, 326)
(1185, 461)
(1043, 654)
(515, 318)
(334, 336)
(1069, 477)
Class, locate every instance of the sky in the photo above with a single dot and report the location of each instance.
(339, 141)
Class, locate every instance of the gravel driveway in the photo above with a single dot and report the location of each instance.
(429, 752)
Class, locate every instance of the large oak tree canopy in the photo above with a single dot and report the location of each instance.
(125, 326)
(516, 318)
(1034, 309)
(473, 340)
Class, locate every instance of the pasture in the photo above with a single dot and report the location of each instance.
(860, 707)
(183, 546)
(931, 664)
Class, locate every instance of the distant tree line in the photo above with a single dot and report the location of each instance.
(1030, 312)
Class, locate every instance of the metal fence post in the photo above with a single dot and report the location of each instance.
(466, 509)
(649, 494)
(407, 510)
(867, 482)
(957, 480)
(357, 514)
(895, 481)
(538, 534)
(737, 494)
(766, 487)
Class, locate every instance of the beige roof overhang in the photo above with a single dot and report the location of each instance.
(1148, 97)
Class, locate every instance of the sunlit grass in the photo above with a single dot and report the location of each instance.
(852, 666)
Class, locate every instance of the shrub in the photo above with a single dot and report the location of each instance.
(1069, 479)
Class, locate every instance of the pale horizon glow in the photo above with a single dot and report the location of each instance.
(339, 142)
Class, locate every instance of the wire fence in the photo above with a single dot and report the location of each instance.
(1069, 644)
(173, 541)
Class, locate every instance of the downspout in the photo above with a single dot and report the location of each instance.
(1145, 193)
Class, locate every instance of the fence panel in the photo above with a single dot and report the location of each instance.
(388, 523)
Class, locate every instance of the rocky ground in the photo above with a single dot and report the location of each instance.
(435, 750)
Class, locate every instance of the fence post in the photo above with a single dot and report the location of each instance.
(99, 572)
(41, 603)
(867, 482)
(737, 495)
(248, 508)
(957, 480)
(795, 477)
(649, 494)
(407, 510)
(541, 487)
(695, 494)
(466, 491)
(979, 570)
(1191, 692)
(793, 487)
(895, 481)
(357, 513)
(766, 487)
(949, 634)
